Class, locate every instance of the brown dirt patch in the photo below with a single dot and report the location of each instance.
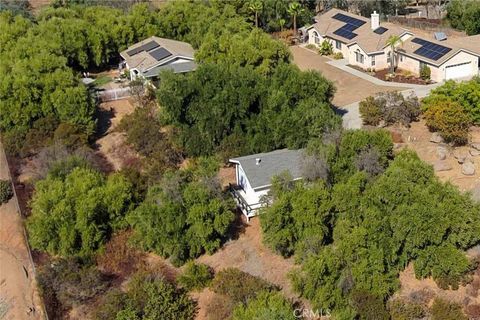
(19, 296)
(248, 254)
(350, 88)
(112, 144)
(417, 138)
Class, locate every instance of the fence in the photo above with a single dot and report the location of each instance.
(113, 94)
(430, 25)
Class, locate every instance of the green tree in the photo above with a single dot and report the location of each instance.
(76, 214)
(295, 9)
(255, 7)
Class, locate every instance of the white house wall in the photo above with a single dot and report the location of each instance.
(252, 197)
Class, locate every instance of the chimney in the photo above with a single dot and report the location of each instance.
(257, 161)
(375, 20)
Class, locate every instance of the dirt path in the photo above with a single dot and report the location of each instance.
(19, 297)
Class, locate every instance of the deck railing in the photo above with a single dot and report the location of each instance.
(247, 208)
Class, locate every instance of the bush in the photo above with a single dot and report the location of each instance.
(148, 296)
(370, 111)
(337, 56)
(425, 72)
(449, 119)
(65, 283)
(239, 286)
(445, 310)
(404, 310)
(391, 107)
(195, 276)
(368, 306)
(265, 306)
(6, 192)
(326, 48)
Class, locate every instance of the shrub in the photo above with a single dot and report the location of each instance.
(195, 276)
(148, 296)
(6, 192)
(238, 285)
(65, 283)
(391, 107)
(425, 72)
(368, 306)
(445, 310)
(404, 310)
(368, 160)
(370, 111)
(311, 46)
(265, 306)
(337, 56)
(449, 119)
(326, 48)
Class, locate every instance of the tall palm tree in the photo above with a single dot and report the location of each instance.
(294, 9)
(392, 42)
(256, 7)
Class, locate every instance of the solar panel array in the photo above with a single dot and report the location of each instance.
(380, 30)
(351, 24)
(146, 47)
(160, 53)
(430, 50)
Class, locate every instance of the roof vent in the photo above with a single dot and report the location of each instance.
(257, 161)
(440, 36)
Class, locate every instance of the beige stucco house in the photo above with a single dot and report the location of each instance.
(362, 43)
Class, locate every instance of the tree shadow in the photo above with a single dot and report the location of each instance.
(238, 226)
(104, 121)
(339, 111)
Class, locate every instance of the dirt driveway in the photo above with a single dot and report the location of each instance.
(350, 88)
(19, 298)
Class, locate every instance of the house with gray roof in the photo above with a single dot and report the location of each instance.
(362, 42)
(147, 58)
(254, 173)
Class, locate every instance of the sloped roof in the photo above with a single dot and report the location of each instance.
(368, 40)
(470, 44)
(271, 164)
(143, 61)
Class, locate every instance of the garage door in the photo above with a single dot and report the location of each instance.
(460, 70)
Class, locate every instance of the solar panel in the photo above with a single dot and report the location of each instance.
(160, 53)
(349, 27)
(146, 47)
(380, 30)
(430, 50)
(345, 33)
(344, 18)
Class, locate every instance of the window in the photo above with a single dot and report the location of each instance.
(401, 57)
(422, 64)
(338, 45)
(373, 61)
(359, 57)
(316, 37)
(389, 57)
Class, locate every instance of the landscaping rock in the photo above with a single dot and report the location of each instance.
(436, 138)
(475, 145)
(441, 165)
(442, 152)
(468, 168)
(460, 155)
(474, 152)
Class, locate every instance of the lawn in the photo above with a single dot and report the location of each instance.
(102, 80)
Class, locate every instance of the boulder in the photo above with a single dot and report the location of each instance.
(442, 152)
(475, 145)
(474, 152)
(468, 168)
(436, 138)
(460, 155)
(441, 165)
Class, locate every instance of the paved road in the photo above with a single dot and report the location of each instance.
(19, 297)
